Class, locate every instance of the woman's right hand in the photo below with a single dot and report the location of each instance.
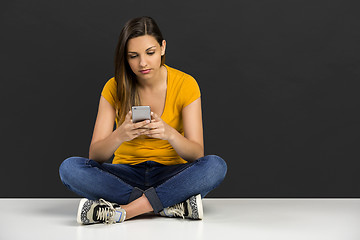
(128, 130)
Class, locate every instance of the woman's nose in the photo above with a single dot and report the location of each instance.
(142, 62)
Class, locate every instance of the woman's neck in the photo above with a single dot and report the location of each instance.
(157, 82)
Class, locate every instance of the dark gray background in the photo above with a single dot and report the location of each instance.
(279, 82)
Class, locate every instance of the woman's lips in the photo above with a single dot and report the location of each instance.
(145, 71)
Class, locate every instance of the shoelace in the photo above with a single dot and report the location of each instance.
(106, 214)
(177, 210)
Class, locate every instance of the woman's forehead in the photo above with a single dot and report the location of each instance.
(141, 43)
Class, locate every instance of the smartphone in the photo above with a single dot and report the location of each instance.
(140, 113)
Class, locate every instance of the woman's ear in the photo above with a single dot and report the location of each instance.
(163, 47)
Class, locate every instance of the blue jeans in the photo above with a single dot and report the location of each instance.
(163, 185)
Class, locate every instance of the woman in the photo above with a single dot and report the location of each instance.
(159, 165)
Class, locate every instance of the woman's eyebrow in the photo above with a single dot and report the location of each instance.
(150, 48)
(145, 50)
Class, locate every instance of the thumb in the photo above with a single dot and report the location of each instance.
(128, 116)
(156, 117)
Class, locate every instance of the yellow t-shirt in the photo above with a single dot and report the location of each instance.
(182, 89)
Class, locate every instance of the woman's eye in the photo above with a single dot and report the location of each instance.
(151, 53)
(132, 56)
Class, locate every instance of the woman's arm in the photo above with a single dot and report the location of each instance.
(190, 146)
(105, 141)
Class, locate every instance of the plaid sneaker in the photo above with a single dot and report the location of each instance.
(101, 211)
(191, 208)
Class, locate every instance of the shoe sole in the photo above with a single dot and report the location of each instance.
(200, 206)
(81, 204)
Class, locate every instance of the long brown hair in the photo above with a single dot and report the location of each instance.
(125, 78)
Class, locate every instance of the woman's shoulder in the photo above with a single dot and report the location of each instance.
(176, 73)
(109, 91)
(182, 82)
(110, 85)
(111, 82)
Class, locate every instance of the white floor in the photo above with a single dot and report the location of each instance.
(246, 219)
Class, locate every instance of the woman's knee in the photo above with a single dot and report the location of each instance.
(69, 166)
(216, 166)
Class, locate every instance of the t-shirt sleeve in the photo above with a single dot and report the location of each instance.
(190, 90)
(109, 91)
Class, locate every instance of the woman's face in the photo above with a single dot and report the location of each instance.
(144, 56)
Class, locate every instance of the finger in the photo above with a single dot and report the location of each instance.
(128, 116)
(153, 125)
(154, 135)
(135, 132)
(154, 115)
(141, 124)
(141, 132)
(154, 132)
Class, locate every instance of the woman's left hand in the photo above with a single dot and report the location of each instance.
(158, 128)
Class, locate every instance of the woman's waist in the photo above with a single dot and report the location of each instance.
(133, 159)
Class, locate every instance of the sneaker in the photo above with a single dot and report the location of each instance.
(101, 211)
(191, 208)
